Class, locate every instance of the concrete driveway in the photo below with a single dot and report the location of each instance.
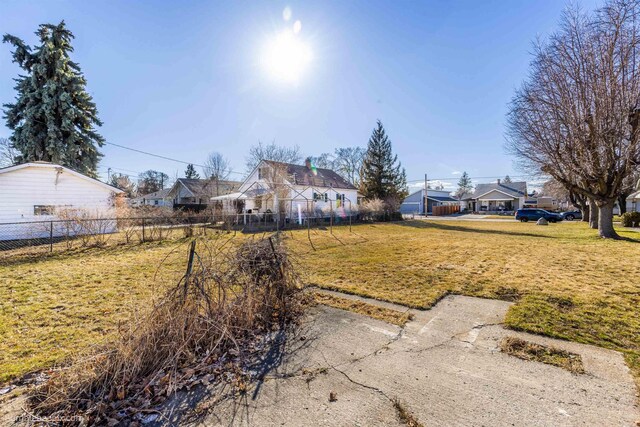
(445, 367)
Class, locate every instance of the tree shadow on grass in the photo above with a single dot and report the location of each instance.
(438, 225)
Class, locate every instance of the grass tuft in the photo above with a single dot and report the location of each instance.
(385, 314)
(404, 415)
(526, 350)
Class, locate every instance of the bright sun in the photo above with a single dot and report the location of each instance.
(286, 57)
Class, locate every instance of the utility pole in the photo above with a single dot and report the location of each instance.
(426, 193)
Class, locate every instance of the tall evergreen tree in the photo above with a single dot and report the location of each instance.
(464, 185)
(191, 173)
(53, 118)
(382, 174)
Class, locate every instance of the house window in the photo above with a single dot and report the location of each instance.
(155, 202)
(320, 197)
(43, 209)
(262, 173)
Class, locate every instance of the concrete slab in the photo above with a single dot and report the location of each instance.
(445, 366)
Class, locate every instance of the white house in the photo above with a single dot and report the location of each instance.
(300, 190)
(633, 202)
(35, 191)
(158, 198)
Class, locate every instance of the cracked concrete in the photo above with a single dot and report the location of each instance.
(446, 368)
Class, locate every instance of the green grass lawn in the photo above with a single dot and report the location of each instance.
(565, 281)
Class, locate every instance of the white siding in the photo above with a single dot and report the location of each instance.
(303, 195)
(24, 188)
(496, 195)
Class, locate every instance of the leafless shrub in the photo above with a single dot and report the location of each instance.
(203, 328)
(372, 209)
(89, 227)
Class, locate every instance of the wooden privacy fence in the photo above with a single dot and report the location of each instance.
(445, 210)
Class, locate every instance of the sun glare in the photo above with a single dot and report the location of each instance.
(286, 56)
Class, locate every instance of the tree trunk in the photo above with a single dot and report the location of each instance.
(593, 215)
(585, 212)
(622, 202)
(605, 220)
(584, 209)
(581, 203)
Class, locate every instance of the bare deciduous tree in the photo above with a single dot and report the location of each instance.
(217, 167)
(8, 153)
(272, 152)
(576, 117)
(348, 163)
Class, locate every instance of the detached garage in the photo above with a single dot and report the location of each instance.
(34, 192)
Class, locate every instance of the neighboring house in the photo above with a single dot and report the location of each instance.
(300, 190)
(498, 197)
(633, 202)
(541, 202)
(195, 194)
(414, 203)
(158, 198)
(41, 191)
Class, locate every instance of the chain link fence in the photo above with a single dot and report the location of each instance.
(26, 239)
(43, 237)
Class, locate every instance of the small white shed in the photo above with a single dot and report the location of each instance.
(33, 192)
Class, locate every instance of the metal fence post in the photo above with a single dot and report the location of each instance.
(143, 223)
(51, 236)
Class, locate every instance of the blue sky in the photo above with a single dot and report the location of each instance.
(184, 78)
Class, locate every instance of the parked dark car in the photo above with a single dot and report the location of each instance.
(525, 215)
(571, 215)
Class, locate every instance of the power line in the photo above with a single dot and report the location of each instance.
(164, 157)
(154, 155)
(119, 169)
(471, 177)
(240, 173)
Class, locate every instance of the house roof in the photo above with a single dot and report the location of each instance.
(442, 198)
(302, 175)
(512, 189)
(633, 196)
(199, 187)
(45, 165)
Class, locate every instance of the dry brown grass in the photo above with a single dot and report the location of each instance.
(405, 416)
(526, 350)
(565, 281)
(206, 325)
(385, 314)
